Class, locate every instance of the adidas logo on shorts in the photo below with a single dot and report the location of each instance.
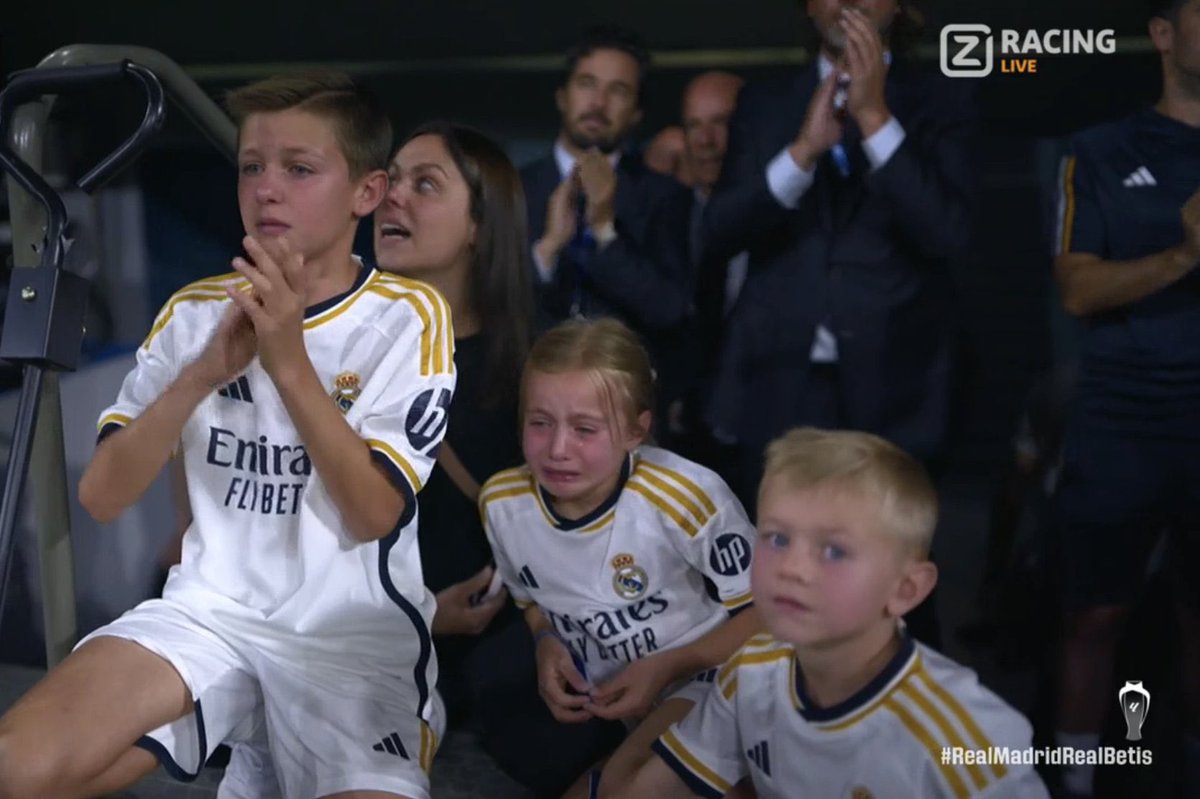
(391, 744)
(760, 756)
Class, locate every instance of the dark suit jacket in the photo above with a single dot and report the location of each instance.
(865, 255)
(643, 278)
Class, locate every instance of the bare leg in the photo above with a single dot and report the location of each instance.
(634, 750)
(129, 768)
(72, 734)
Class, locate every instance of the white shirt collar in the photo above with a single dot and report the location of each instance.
(825, 66)
(566, 161)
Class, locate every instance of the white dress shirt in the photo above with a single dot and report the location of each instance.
(788, 182)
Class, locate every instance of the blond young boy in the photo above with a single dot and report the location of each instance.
(306, 396)
(837, 701)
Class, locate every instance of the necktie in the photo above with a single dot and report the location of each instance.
(841, 152)
(583, 241)
(841, 159)
(582, 244)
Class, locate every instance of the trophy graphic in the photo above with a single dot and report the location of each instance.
(1135, 704)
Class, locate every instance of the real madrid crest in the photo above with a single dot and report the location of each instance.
(346, 389)
(630, 581)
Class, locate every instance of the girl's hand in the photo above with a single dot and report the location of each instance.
(634, 692)
(456, 615)
(557, 676)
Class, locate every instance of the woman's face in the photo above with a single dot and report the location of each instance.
(424, 224)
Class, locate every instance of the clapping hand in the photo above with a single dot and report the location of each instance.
(276, 306)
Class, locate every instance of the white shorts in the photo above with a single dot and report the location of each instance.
(296, 724)
(694, 689)
(691, 689)
(250, 774)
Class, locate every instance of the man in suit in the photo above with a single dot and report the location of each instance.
(848, 185)
(609, 235)
(708, 103)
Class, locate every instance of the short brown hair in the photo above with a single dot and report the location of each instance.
(363, 130)
(610, 37)
(608, 351)
(875, 469)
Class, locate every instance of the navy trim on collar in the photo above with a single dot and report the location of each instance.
(869, 693)
(563, 523)
(321, 307)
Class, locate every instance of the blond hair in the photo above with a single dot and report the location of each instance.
(360, 125)
(611, 355)
(866, 465)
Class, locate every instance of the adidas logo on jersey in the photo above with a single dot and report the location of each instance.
(760, 756)
(1140, 177)
(391, 744)
(239, 390)
(527, 579)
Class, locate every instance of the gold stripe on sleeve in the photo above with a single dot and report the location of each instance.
(967, 721)
(1068, 203)
(399, 460)
(427, 360)
(658, 501)
(685, 482)
(169, 311)
(700, 516)
(931, 746)
(113, 418)
(738, 601)
(948, 732)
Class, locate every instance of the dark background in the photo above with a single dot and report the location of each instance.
(496, 65)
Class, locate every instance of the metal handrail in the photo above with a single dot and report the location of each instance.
(47, 469)
(183, 91)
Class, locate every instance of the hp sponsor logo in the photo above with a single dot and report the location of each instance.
(427, 418)
(730, 555)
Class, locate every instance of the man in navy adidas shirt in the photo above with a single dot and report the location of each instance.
(1129, 246)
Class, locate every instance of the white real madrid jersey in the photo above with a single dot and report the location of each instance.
(884, 743)
(265, 534)
(632, 577)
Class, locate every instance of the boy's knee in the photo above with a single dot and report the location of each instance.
(615, 785)
(22, 773)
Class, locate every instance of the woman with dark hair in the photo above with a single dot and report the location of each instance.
(454, 218)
